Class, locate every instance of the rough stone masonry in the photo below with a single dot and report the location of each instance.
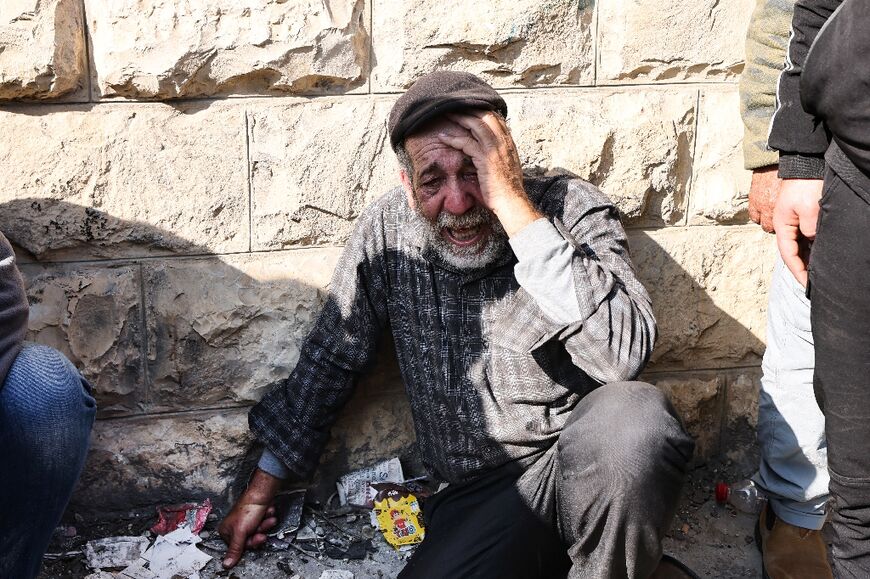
(179, 178)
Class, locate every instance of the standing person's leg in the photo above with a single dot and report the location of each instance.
(622, 462)
(840, 293)
(791, 435)
(46, 414)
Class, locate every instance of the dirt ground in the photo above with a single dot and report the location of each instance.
(714, 541)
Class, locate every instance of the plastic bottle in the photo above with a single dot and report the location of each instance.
(745, 496)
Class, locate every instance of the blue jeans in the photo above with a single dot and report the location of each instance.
(791, 427)
(46, 415)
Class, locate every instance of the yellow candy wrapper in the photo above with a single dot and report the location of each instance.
(398, 515)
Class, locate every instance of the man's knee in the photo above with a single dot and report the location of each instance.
(43, 390)
(631, 426)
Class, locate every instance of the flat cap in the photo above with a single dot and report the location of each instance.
(438, 93)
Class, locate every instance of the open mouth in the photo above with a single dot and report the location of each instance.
(464, 236)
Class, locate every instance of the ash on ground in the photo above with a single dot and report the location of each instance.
(714, 541)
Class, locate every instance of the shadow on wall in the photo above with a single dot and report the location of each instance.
(178, 343)
(177, 347)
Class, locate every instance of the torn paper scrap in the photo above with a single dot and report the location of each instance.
(353, 488)
(336, 574)
(175, 554)
(114, 552)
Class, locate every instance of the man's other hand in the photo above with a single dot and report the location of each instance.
(492, 150)
(762, 196)
(250, 518)
(794, 218)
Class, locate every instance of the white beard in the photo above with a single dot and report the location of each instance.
(487, 251)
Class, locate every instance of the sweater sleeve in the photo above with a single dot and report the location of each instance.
(766, 44)
(13, 309)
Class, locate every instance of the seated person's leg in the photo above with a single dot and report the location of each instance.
(46, 414)
(484, 530)
(623, 458)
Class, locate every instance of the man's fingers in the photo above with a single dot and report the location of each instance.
(790, 251)
(465, 143)
(483, 126)
(754, 214)
(808, 227)
(256, 541)
(267, 524)
(235, 549)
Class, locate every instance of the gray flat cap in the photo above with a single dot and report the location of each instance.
(438, 93)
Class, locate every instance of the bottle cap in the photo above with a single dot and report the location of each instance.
(722, 492)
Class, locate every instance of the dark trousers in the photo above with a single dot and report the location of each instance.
(597, 504)
(840, 305)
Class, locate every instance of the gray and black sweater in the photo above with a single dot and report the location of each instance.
(13, 309)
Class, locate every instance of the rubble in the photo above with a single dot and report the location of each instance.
(288, 511)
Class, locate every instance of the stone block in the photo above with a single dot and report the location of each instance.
(93, 315)
(698, 399)
(124, 180)
(720, 184)
(743, 391)
(507, 43)
(159, 49)
(42, 49)
(314, 166)
(671, 40)
(709, 291)
(224, 330)
(636, 146)
(148, 461)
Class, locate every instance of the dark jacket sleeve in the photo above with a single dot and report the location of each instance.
(797, 135)
(13, 309)
(766, 43)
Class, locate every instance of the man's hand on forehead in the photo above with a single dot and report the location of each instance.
(486, 139)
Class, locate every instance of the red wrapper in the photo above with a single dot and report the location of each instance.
(191, 515)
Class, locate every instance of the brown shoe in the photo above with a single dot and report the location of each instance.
(790, 552)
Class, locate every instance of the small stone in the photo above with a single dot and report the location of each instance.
(205, 534)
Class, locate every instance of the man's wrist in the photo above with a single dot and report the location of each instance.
(262, 487)
(516, 212)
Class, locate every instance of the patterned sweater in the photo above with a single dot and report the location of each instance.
(491, 375)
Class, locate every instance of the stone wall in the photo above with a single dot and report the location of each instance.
(179, 178)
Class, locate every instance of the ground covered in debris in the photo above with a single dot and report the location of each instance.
(714, 541)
